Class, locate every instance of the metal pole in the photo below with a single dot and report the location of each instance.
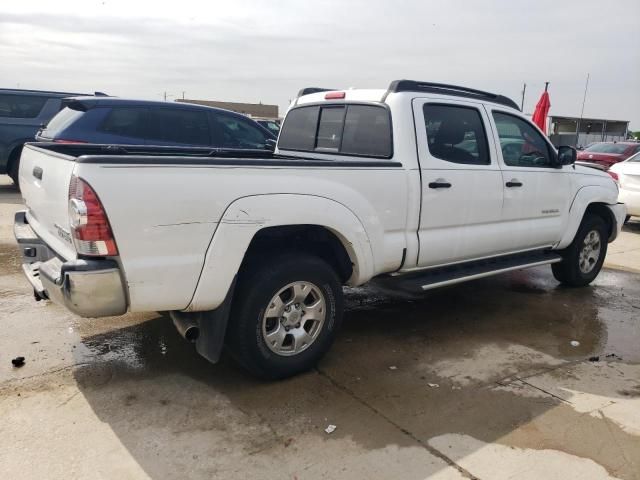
(584, 99)
(524, 89)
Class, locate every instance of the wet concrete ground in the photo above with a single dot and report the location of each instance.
(478, 380)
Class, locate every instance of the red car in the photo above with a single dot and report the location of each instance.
(608, 153)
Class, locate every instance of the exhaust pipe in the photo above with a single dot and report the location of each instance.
(187, 327)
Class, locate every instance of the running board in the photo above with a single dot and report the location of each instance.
(462, 272)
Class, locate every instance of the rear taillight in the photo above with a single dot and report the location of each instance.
(90, 227)
(334, 95)
(62, 140)
(614, 175)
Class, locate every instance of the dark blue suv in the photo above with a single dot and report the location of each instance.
(144, 122)
(22, 113)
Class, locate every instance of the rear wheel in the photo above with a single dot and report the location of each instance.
(285, 315)
(14, 165)
(583, 259)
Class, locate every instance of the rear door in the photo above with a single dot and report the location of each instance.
(461, 183)
(537, 194)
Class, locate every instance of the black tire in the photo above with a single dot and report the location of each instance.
(627, 218)
(14, 166)
(568, 271)
(257, 286)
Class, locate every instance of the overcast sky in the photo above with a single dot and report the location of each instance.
(250, 51)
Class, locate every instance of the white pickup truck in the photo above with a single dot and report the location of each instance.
(421, 185)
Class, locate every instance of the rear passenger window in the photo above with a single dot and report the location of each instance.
(124, 122)
(360, 130)
(21, 106)
(178, 126)
(456, 134)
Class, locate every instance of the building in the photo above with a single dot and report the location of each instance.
(259, 110)
(581, 132)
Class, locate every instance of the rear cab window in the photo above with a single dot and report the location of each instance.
(344, 129)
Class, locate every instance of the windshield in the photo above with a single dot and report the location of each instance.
(272, 126)
(606, 148)
(635, 158)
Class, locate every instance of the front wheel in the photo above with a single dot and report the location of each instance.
(583, 259)
(285, 315)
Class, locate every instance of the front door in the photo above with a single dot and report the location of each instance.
(537, 193)
(461, 183)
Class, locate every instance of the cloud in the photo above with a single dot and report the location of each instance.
(254, 51)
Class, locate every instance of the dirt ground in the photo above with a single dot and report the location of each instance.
(479, 380)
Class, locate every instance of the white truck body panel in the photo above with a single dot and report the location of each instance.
(629, 180)
(179, 223)
(183, 228)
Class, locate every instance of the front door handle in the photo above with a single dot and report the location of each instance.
(514, 183)
(439, 185)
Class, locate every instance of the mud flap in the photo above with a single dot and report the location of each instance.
(212, 325)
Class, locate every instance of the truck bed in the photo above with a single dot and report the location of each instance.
(159, 155)
(165, 206)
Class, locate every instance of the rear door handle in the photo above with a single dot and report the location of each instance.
(439, 185)
(514, 183)
(37, 172)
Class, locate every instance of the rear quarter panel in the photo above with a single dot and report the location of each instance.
(164, 218)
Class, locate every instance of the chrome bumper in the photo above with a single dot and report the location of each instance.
(89, 288)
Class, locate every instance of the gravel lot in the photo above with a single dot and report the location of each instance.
(478, 380)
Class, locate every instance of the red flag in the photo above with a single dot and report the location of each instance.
(542, 110)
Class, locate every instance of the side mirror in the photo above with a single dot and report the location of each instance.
(270, 144)
(567, 155)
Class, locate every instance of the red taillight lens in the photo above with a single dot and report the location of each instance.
(60, 140)
(89, 224)
(334, 95)
(614, 175)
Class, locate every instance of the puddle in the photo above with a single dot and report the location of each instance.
(10, 259)
(527, 308)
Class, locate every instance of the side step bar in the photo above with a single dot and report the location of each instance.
(462, 272)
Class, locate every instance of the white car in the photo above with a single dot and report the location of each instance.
(420, 185)
(628, 177)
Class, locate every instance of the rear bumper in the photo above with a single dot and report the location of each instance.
(89, 288)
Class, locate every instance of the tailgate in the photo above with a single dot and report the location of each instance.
(44, 182)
